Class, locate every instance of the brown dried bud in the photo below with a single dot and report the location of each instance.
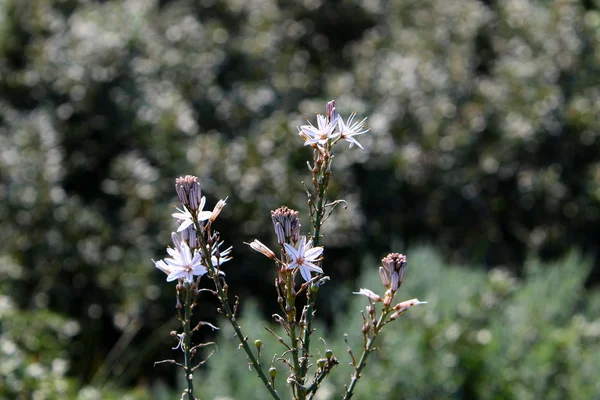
(261, 248)
(402, 307)
(217, 210)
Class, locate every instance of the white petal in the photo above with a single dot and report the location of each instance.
(291, 251)
(313, 253)
(204, 215)
(185, 224)
(305, 272)
(312, 267)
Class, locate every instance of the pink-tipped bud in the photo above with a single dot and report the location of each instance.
(394, 284)
(280, 233)
(190, 237)
(385, 280)
(330, 111)
(395, 264)
(289, 223)
(188, 191)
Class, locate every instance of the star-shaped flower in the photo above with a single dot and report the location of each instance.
(320, 134)
(187, 217)
(182, 263)
(223, 256)
(304, 257)
(351, 128)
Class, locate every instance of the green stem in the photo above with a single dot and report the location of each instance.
(363, 358)
(319, 211)
(231, 317)
(290, 311)
(311, 296)
(187, 342)
(322, 181)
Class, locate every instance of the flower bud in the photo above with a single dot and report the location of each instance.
(188, 191)
(328, 353)
(366, 328)
(258, 343)
(385, 280)
(288, 221)
(395, 281)
(272, 372)
(395, 264)
(190, 237)
(330, 111)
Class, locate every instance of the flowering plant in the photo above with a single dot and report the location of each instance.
(299, 270)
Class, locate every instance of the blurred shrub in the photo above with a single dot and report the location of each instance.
(482, 336)
(34, 363)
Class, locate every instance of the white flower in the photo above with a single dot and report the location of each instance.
(180, 344)
(223, 256)
(304, 257)
(187, 218)
(182, 263)
(348, 130)
(321, 133)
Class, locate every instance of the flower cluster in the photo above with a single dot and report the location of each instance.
(185, 260)
(196, 252)
(392, 274)
(331, 128)
(299, 253)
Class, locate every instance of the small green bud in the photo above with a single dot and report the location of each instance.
(258, 343)
(321, 362)
(273, 372)
(328, 353)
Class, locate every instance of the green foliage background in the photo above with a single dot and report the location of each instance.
(484, 142)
